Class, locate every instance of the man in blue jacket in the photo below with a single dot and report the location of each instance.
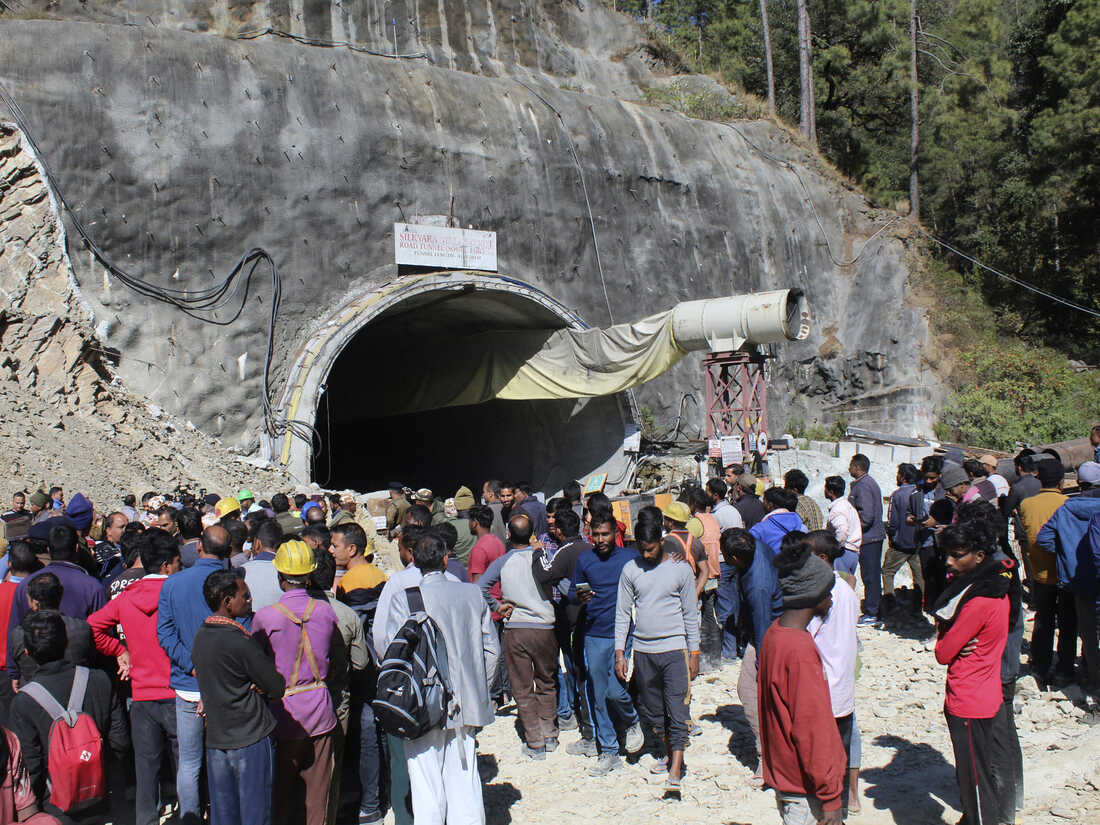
(779, 519)
(866, 497)
(761, 604)
(1067, 535)
(180, 613)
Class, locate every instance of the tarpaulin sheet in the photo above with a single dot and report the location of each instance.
(528, 365)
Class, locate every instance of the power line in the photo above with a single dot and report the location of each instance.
(1030, 287)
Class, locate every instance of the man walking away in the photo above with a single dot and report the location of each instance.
(144, 662)
(844, 522)
(299, 633)
(658, 594)
(972, 617)
(804, 758)
(1053, 608)
(530, 646)
(796, 481)
(442, 764)
(761, 604)
(903, 540)
(866, 497)
(236, 679)
(181, 610)
(596, 585)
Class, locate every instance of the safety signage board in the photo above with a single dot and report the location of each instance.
(444, 247)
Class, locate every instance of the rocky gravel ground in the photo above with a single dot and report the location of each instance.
(122, 445)
(908, 773)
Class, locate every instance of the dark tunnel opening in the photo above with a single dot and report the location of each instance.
(379, 421)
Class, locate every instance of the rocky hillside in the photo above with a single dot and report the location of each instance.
(63, 417)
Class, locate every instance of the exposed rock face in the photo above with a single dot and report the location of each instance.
(45, 342)
(182, 150)
(62, 418)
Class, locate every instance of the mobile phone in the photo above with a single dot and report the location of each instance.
(584, 587)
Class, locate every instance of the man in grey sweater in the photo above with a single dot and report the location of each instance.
(530, 645)
(658, 593)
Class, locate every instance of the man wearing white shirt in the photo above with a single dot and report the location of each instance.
(999, 482)
(844, 520)
(386, 624)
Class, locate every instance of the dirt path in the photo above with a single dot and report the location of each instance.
(908, 769)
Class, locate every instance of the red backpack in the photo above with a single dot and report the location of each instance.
(75, 754)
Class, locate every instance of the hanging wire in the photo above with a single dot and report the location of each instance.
(1030, 287)
(195, 303)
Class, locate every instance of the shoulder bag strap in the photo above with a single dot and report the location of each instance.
(80, 688)
(47, 702)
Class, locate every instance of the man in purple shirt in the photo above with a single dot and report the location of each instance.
(299, 633)
(83, 594)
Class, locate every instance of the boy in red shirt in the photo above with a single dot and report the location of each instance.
(972, 619)
(803, 757)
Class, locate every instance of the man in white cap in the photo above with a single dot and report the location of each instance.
(1088, 479)
(999, 482)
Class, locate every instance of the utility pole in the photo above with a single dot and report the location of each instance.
(768, 57)
(914, 115)
(806, 74)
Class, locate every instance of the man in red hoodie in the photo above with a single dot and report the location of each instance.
(143, 661)
(803, 756)
(972, 618)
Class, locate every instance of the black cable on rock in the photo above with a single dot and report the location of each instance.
(194, 303)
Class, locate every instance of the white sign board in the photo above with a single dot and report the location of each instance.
(732, 450)
(443, 247)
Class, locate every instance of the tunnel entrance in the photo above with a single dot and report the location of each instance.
(382, 415)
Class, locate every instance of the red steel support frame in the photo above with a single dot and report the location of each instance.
(737, 394)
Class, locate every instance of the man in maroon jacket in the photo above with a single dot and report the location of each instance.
(803, 757)
(143, 661)
(972, 618)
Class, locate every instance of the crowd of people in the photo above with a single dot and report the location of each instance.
(234, 658)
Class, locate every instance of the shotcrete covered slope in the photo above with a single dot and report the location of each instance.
(182, 150)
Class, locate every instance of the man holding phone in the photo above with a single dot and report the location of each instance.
(596, 582)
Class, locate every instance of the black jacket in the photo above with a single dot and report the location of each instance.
(29, 722)
(79, 650)
(228, 663)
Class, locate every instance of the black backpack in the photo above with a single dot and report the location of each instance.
(413, 695)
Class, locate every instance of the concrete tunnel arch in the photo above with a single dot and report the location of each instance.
(362, 447)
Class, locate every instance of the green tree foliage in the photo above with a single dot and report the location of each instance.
(1021, 395)
(1010, 127)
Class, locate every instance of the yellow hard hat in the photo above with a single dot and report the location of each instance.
(677, 511)
(294, 558)
(225, 506)
(695, 527)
